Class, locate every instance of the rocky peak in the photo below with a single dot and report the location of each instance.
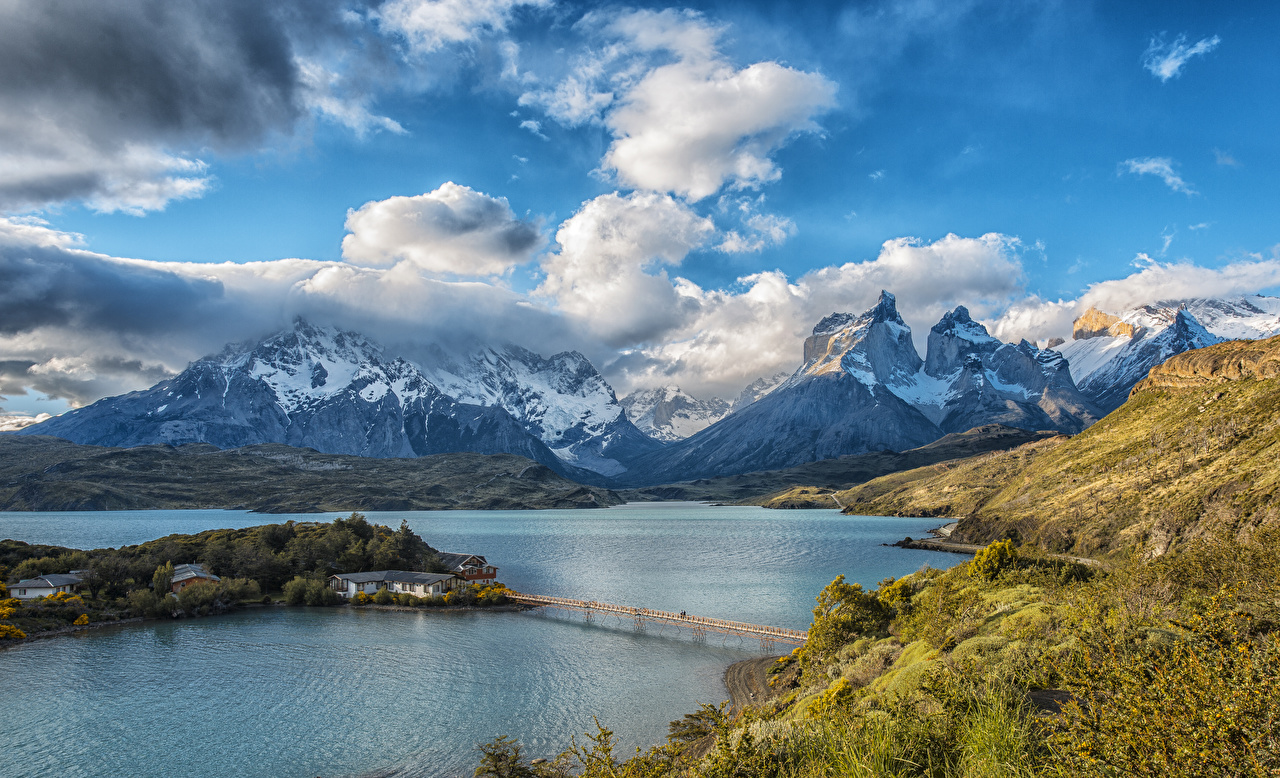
(874, 347)
(953, 340)
(1094, 323)
(834, 323)
(844, 328)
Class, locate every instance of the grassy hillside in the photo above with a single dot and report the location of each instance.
(818, 480)
(1013, 666)
(45, 473)
(1195, 449)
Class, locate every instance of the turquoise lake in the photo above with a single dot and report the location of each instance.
(343, 692)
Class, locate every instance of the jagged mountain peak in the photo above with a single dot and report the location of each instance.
(874, 347)
(885, 309)
(562, 399)
(668, 413)
(1110, 354)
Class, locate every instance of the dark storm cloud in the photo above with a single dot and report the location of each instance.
(219, 68)
(44, 286)
(112, 102)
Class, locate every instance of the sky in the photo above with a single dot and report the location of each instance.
(680, 192)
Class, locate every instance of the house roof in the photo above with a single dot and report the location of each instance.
(185, 572)
(458, 561)
(48, 581)
(399, 576)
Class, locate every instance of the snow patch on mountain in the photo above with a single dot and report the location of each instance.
(668, 413)
(561, 399)
(757, 389)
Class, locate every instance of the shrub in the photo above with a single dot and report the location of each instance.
(304, 591)
(1206, 705)
(10, 632)
(844, 612)
(988, 563)
(241, 589)
(201, 598)
(383, 597)
(295, 591)
(144, 602)
(82, 620)
(361, 598)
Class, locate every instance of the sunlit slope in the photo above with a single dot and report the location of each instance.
(1195, 448)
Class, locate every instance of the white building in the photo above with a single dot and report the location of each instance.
(395, 581)
(44, 586)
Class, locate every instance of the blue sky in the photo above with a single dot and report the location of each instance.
(745, 168)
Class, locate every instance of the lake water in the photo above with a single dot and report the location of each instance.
(337, 692)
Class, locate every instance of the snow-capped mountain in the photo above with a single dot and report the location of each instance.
(1110, 353)
(970, 378)
(863, 387)
(669, 414)
(321, 387)
(562, 400)
(757, 389)
(967, 378)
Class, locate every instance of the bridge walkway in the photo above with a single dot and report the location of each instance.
(698, 626)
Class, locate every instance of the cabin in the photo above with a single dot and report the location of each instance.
(472, 568)
(185, 575)
(395, 581)
(45, 585)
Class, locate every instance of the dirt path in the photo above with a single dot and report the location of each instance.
(748, 681)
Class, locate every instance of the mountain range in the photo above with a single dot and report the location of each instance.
(862, 388)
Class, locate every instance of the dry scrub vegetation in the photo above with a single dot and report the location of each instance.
(1194, 451)
(1010, 665)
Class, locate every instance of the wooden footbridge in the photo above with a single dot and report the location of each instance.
(698, 626)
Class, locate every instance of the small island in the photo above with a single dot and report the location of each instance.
(53, 590)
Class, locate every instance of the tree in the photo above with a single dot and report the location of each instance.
(844, 612)
(502, 759)
(162, 579)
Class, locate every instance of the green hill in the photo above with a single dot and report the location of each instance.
(41, 473)
(1195, 449)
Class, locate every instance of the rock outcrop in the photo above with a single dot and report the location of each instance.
(1231, 361)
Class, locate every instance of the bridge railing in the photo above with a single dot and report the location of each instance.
(780, 634)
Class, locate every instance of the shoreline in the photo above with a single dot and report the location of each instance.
(72, 629)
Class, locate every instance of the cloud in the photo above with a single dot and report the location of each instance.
(323, 94)
(759, 230)
(125, 105)
(1224, 158)
(684, 120)
(105, 101)
(430, 25)
(876, 175)
(608, 273)
(730, 337)
(1166, 60)
(534, 127)
(1034, 318)
(452, 230)
(78, 325)
(1161, 167)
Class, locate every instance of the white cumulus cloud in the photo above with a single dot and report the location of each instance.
(683, 118)
(452, 230)
(609, 271)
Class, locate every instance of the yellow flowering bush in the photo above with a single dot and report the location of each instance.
(81, 620)
(1206, 705)
(10, 632)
